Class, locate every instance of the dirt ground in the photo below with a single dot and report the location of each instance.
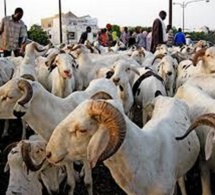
(103, 183)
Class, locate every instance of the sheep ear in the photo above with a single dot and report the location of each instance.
(6, 168)
(97, 145)
(209, 144)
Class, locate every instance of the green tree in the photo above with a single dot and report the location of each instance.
(37, 34)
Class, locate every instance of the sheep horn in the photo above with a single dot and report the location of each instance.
(25, 149)
(206, 119)
(198, 56)
(109, 116)
(159, 56)
(101, 95)
(9, 148)
(75, 48)
(26, 87)
(37, 49)
(135, 70)
(177, 57)
(28, 76)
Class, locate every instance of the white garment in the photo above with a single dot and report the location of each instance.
(148, 41)
(164, 29)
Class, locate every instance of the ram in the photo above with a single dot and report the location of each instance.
(145, 161)
(199, 104)
(29, 100)
(27, 164)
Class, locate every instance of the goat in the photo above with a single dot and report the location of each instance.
(142, 161)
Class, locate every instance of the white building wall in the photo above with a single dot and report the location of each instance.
(70, 26)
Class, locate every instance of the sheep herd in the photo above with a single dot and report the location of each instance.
(148, 117)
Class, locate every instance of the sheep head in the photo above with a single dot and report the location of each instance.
(15, 98)
(95, 129)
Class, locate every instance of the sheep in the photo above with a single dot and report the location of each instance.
(204, 82)
(142, 161)
(203, 63)
(200, 104)
(161, 49)
(22, 158)
(185, 70)
(166, 68)
(27, 66)
(145, 88)
(6, 70)
(207, 55)
(20, 182)
(6, 73)
(63, 80)
(121, 72)
(29, 100)
(89, 67)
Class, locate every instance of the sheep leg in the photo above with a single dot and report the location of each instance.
(88, 177)
(6, 128)
(182, 186)
(70, 178)
(205, 179)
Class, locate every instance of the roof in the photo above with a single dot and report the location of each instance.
(70, 14)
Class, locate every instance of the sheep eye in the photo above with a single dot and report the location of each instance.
(14, 152)
(82, 130)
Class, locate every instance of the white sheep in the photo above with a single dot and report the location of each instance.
(142, 161)
(21, 182)
(63, 79)
(166, 68)
(27, 167)
(123, 74)
(200, 104)
(28, 65)
(145, 88)
(29, 100)
(89, 66)
(203, 63)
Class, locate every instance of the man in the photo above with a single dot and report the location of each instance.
(109, 35)
(158, 31)
(169, 36)
(13, 34)
(84, 35)
(180, 39)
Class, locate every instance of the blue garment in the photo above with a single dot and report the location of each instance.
(180, 39)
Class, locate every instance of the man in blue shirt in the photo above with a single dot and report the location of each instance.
(179, 38)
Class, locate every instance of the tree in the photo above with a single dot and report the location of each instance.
(37, 34)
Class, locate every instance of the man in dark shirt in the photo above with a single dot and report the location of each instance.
(158, 31)
(83, 37)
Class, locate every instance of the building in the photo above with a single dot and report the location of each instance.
(72, 27)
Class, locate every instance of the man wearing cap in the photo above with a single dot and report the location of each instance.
(109, 34)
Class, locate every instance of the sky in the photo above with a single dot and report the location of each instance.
(120, 12)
